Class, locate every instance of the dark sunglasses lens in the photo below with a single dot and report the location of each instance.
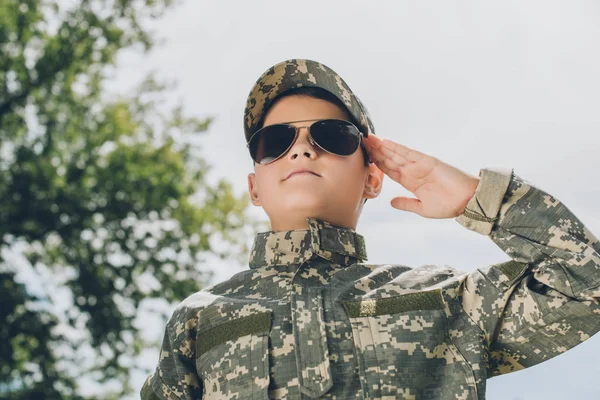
(335, 136)
(271, 142)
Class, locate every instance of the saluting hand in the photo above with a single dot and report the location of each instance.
(442, 190)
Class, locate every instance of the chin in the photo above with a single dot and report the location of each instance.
(305, 203)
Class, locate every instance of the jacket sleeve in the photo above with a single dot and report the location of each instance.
(175, 376)
(543, 301)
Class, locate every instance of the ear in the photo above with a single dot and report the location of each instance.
(253, 190)
(373, 182)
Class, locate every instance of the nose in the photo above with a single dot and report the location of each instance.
(303, 146)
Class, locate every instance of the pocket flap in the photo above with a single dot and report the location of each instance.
(430, 300)
(251, 324)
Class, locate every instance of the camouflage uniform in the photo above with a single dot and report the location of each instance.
(312, 319)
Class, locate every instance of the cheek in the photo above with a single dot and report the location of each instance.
(266, 182)
(350, 172)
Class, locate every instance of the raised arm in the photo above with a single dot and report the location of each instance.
(545, 300)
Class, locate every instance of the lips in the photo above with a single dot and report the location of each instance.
(298, 171)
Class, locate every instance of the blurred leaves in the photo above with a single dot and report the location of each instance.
(107, 197)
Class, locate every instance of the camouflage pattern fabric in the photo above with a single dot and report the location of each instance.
(312, 319)
(295, 73)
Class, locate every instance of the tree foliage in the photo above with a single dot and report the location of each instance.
(105, 197)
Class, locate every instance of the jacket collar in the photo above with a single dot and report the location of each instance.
(334, 243)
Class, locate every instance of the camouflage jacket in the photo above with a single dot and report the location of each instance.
(312, 319)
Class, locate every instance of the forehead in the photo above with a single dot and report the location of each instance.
(299, 108)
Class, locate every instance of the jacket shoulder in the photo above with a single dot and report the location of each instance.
(220, 302)
(383, 280)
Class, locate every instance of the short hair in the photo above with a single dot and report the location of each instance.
(320, 94)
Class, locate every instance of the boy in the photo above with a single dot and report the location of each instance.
(311, 319)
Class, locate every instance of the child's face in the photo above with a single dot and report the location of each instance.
(335, 191)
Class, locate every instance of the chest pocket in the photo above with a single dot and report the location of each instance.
(232, 358)
(404, 349)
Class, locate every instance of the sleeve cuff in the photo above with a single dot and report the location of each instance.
(481, 212)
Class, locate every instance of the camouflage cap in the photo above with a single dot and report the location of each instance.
(295, 73)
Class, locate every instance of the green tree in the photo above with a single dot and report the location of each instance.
(106, 198)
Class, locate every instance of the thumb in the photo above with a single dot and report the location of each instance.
(407, 204)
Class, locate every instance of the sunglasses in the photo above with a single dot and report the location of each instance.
(335, 136)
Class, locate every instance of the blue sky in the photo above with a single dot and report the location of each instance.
(503, 84)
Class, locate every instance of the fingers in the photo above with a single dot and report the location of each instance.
(384, 163)
(396, 157)
(387, 155)
(392, 149)
(407, 204)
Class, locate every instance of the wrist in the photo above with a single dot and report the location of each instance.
(470, 191)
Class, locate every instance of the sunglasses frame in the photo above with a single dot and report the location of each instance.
(311, 140)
